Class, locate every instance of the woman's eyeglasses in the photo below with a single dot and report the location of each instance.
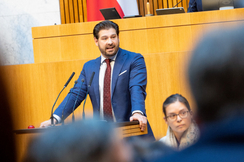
(182, 115)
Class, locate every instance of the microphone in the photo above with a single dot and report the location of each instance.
(58, 97)
(69, 79)
(62, 118)
(89, 85)
(73, 115)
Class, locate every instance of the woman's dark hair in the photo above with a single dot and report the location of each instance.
(105, 25)
(172, 99)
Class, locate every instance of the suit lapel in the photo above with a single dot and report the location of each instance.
(119, 62)
(96, 69)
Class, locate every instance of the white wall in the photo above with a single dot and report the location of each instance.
(16, 19)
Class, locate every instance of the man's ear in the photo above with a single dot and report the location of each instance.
(96, 41)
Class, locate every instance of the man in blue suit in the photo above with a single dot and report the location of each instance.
(127, 86)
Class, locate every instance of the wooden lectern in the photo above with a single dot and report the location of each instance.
(127, 129)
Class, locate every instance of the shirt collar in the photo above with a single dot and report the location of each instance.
(112, 58)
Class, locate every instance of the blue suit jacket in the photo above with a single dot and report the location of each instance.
(128, 90)
(195, 6)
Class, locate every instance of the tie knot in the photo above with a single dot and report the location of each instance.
(108, 61)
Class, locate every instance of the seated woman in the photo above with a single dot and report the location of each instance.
(182, 129)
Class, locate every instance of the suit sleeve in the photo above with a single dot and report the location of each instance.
(66, 107)
(137, 85)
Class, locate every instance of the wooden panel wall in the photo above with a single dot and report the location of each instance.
(146, 35)
(32, 90)
(74, 11)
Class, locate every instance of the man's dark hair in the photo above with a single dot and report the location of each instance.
(144, 150)
(105, 25)
(216, 75)
(172, 99)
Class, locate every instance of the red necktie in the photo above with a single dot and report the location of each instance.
(107, 107)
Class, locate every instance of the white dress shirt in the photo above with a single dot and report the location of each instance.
(102, 71)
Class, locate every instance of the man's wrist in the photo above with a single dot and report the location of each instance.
(138, 112)
(56, 119)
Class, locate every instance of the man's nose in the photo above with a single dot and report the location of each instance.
(110, 41)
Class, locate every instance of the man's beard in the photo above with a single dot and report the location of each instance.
(116, 48)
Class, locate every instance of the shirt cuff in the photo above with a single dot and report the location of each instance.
(57, 118)
(137, 111)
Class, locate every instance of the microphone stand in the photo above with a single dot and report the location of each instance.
(73, 116)
(89, 85)
(52, 118)
(72, 75)
(62, 118)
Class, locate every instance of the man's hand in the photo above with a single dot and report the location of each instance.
(142, 120)
(46, 123)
